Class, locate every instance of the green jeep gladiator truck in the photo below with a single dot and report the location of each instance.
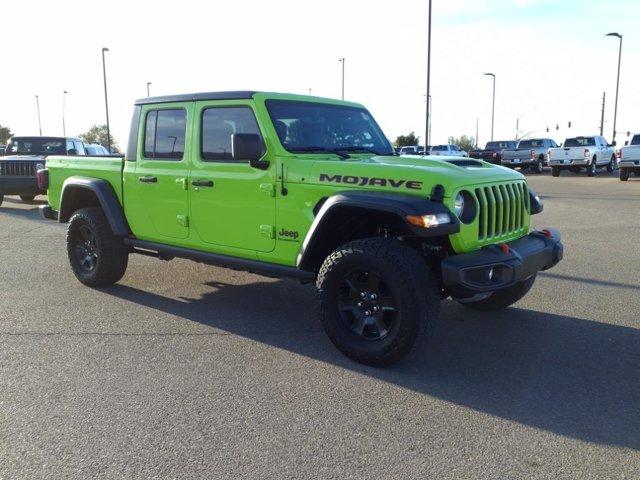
(310, 188)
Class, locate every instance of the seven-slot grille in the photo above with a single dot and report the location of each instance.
(503, 209)
(18, 168)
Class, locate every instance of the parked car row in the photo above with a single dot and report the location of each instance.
(24, 156)
(448, 150)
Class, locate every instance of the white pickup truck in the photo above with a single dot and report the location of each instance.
(629, 158)
(577, 153)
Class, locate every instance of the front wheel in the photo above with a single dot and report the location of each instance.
(98, 258)
(624, 174)
(378, 300)
(611, 166)
(27, 198)
(503, 298)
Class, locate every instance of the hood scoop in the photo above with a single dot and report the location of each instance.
(465, 163)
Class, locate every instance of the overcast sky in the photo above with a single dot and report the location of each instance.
(551, 59)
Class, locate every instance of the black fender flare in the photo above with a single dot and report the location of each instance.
(394, 204)
(106, 197)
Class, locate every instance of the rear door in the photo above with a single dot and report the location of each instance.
(233, 205)
(156, 194)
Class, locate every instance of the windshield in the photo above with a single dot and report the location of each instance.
(635, 140)
(531, 144)
(580, 142)
(439, 148)
(36, 146)
(309, 126)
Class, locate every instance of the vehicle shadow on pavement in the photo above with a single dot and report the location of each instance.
(565, 375)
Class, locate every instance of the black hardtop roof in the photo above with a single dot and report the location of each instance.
(191, 97)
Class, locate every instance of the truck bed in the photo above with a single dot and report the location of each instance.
(108, 168)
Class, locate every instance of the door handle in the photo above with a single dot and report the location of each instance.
(148, 179)
(202, 183)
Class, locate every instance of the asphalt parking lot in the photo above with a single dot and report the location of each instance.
(188, 371)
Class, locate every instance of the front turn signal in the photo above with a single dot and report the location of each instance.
(429, 221)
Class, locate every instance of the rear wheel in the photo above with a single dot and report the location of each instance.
(503, 298)
(378, 300)
(624, 174)
(27, 198)
(538, 167)
(98, 258)
(591, 169)
(555, 172)
(611, 166)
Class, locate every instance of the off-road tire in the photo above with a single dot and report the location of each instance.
(503, 298)
(411, 283)
(555, 172)
(611, 166)
(624, 174)
(111, 254)
(592, 167)
(27, 198)
(538, 167)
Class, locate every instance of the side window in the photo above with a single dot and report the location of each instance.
(164, 134)
(71, 148)
(218, 124)
(79, 147)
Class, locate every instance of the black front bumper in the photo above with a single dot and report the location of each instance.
(15, 185)
(496, 267)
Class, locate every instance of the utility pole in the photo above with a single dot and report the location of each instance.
(602, 115)
(64, 98)
(477, 141)
(38, 107)
(493, 104)
(615, 108)
(341, 60)
(148, 94)
(427, 132)
(106, 102)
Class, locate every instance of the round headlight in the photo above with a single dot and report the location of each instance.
(458, 206)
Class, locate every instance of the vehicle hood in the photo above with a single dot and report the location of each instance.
(409, 174)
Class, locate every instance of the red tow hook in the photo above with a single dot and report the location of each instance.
(505, 248)
(546, 233)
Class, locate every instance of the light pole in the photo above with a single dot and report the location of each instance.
(427, 120)
(615, 107)
(148, 84)
(106, 102)
(38, 107)
(341, 60)
(64, 98)
(493, 104)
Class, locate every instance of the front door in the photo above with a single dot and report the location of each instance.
(232, 203)
(155, 185)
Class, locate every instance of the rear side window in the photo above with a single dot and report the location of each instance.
(635, 140)
(164, 134)
(218, 124)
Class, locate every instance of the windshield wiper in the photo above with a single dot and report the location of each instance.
(363, 149)
(320, 150)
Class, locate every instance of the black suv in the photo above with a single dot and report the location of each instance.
(24, 156)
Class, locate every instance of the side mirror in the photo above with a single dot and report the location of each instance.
(613, 144)
(248, 146)
(72, 151)
(626, 143)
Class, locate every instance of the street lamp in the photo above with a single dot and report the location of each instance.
(341, 60)
(106, 101)
(615, 108)
(64, 98)
(427, 120)
(493, 104)
(38, 107)
(148, 95)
